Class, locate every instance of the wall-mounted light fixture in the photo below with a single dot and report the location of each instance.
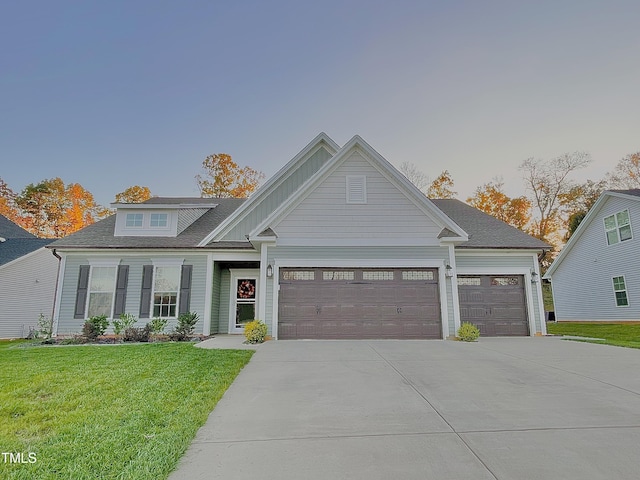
(534, 277)
(269, 271)
(448, 271)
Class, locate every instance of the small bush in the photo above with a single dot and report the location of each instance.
(158, 325)
(125, 321)
(45, 326)
(185, 328)
(255, 331)
(468, 332)
(133, 334)
(94, 327)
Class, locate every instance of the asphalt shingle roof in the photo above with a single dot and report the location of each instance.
(8, 229)
(484, 230)
(14, 248)
(101, 234)
(634, 191)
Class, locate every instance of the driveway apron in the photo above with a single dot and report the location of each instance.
(501, 408)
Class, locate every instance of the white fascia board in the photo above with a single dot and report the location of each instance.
(586, 221)
(161, 206)
(360, 263)
(489, 252)
(322, 140)
(354, 242)
(384, 167)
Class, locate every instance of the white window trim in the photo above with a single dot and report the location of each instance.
(135, 227)
(617, 227)
(166, 220)
(626, 291)
(101, 264)
(165, 262)
(352, 179)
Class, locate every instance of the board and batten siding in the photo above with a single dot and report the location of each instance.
(68, 325)
(354, 257)
(215, 299)
(582, 283)
(223, 301)
(28, 290)
(500, 264)
(387, 214)
(267, 205)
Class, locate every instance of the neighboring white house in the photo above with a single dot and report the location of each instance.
(27, 280)
(596, 276)
(337, 244)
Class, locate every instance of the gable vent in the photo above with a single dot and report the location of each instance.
(356, 189)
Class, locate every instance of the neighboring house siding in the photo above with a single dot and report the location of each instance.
(582, 283)
(387, 214)
(28, 290)
(68, 325)
(278, 195)
(354, 256)
(497, 264)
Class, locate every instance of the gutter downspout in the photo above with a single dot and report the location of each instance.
(55, 292)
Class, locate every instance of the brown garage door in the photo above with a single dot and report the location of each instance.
(358, 303)
(494, 303)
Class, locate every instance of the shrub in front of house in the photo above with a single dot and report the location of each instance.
(126, 320)
(255, 331)
(158, 325)
(133, 334)
(185, 327)
(94, 327)
(468, 332)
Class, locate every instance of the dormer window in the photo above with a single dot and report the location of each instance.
(158, 220)
(134, 220)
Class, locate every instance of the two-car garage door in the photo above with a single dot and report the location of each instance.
(359, 303)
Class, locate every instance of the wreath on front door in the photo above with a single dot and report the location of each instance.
(246, 289)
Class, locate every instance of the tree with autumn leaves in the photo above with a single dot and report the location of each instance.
(224, 178)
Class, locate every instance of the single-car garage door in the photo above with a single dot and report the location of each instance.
(359, 303)
(494, 303)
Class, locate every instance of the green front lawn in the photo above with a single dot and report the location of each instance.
(622, 335)
(107, 412)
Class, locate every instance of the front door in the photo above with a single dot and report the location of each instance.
(243, 298)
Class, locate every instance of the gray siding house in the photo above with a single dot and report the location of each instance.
(27, 280)
(596, 276)
(337, 244)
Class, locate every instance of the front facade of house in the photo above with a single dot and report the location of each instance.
(596, 277)
(338, 244)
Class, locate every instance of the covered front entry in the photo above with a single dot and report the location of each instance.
(359, 303)
(494, 303)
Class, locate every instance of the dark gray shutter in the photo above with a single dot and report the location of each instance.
(145, 294)
(185, 289)
(81, 292)
(121, 290)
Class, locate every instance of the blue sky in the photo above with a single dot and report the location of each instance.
(113, 94)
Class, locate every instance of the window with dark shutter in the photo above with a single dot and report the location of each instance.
(121, 290)
(81, 292)
(185, 289)
(145, 294)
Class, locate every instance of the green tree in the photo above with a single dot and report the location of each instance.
(578, 201)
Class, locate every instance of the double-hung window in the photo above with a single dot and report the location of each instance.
(166, 286)
(618, 227)
(620, 291)
(102, 285)
(158, 220)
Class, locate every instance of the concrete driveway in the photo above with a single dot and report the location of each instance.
(526, 408)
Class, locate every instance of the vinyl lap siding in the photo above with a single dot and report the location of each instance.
(388, 213)
(186, 216)
(279, 195)
(582, 283)
(28, 289)
(68, 325)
